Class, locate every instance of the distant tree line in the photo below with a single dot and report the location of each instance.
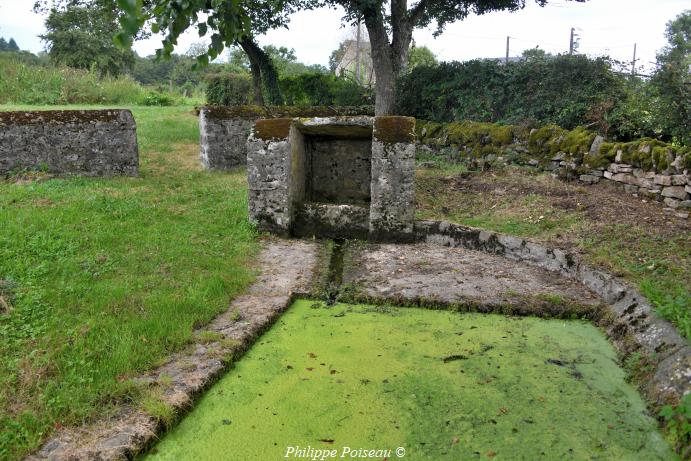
(10, 45)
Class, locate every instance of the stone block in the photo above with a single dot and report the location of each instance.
(685, 205)
(589, 179)
(678, 180)
(81, 142)
(676, 192)
(663, 180)
(630, 189)
(671, 202)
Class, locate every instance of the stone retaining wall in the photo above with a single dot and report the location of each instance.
(224, 130)
(84, 142)
(647, 167)
(631, 322)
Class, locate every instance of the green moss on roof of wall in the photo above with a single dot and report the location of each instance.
(274, 128)
(63, 117)
(392, 129)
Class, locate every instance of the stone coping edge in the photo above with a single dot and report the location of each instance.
(632, 324)
(66, 117)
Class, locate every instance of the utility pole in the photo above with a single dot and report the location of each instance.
(633, 63)
(571, 41)
(357, 53)
(507, 49)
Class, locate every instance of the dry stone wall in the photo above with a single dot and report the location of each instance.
(84, 142)
(647, 168)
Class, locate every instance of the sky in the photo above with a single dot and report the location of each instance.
(604, 27)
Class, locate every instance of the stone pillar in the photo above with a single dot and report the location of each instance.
(222, 137)
(269, 166)
(393, 179)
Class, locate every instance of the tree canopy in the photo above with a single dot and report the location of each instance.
(80, 33)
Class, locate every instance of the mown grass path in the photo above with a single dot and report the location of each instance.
(106, 277)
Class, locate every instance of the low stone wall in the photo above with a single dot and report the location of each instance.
(630, 322)
(84, 142)
(224, 130)
(647, 167)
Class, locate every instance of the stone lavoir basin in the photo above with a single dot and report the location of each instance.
(434, 385)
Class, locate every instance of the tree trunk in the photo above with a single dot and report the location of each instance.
(257, 83)
(388, 59)
(267, 70)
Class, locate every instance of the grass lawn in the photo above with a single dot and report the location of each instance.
(611, 230)
(442, 385)
(106, 277)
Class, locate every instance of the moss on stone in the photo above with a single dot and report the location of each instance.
(63, 117)
(274, 128)
(393, 129)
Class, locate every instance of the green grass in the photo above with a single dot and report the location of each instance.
(521, 202)
(442, 385)
(106, 277)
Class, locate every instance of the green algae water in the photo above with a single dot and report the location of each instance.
(360, 382)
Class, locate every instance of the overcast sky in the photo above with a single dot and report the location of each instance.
(604, 27)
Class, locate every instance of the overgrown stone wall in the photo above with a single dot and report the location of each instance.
(84, 142)
(224, 130)
(647, 167)
(312, 176)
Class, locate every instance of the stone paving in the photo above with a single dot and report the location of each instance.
(431, 274)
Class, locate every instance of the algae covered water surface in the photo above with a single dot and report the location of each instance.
(428, 385)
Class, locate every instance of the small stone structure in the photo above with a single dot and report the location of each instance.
(224, 130)
(84, 142)
(350, 177)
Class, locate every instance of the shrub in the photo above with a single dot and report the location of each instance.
(228, 89)
(317, 89)
(154, 98)
(23, 81)
(564, 90)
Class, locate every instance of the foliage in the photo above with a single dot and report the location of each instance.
(81, 36)
(8, 46)
(112, 276)
(672, 80)
(228, 90)
(24, 80)
(23, 83)
(317, 89)
(307, 89)
(564, 91)
(421, 56)
(154, 98)
(678, 423)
